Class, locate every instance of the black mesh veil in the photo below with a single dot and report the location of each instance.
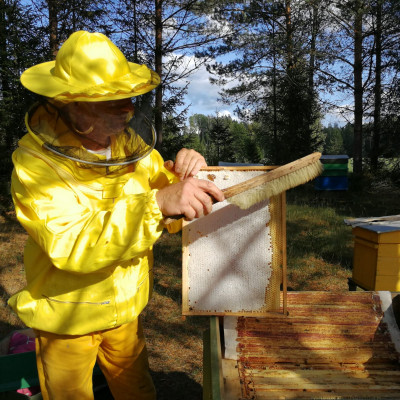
(101, 134)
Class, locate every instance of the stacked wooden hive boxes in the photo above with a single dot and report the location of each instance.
(335, 174)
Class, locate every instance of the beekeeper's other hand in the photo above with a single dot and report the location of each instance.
(187, 163)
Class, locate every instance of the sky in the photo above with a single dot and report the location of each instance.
(203, 97)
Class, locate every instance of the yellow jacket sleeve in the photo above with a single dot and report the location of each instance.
(75, 226)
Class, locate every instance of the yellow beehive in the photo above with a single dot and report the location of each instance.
(376, 263)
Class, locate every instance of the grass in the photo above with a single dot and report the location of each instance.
(319, 249)
(12, 275)
(319, 243)
(319, 246)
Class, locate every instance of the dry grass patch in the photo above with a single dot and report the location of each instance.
(317, 275)
(12, 275)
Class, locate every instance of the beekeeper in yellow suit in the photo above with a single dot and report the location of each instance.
(92, 193)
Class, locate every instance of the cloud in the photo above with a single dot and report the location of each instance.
(203, 96)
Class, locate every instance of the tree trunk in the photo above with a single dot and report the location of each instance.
(5, 77)
(158, 67)
(377, 88)
(311, 68)
(135, 33)
(275, 98)
(53, 26)
(275, 112)
(358, 89)
(314, 32)
(3, 51)
(289, 35)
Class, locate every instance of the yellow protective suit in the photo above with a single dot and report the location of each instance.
(88, 259)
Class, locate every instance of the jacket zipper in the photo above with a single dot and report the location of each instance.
(77, 302)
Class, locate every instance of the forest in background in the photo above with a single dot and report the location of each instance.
(283, 64)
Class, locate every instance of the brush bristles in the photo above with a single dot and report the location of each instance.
(252, 196)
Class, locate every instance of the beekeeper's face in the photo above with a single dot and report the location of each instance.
(99, 120)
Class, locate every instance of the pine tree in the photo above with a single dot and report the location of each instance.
(20, 47)
(269, 74)
(221, 140)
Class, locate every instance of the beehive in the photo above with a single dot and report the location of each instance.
(334, 175)
(376, 257)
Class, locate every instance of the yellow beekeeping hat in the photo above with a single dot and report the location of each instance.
(89, 67)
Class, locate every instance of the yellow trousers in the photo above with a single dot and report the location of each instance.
(65, 364)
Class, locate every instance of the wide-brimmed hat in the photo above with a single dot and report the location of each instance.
(89, 67)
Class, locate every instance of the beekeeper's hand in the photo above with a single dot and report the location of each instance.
(187, 163)
(191, 198)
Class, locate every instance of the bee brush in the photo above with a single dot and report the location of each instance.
(272, 183)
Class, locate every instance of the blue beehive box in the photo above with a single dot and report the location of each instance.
(335, 174)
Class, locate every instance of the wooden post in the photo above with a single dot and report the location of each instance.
(284, 254)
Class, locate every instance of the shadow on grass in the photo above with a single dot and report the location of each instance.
(168, 266)
(332, 246)
(362, 199)
(173, 326)
(6, 328)
(176, 386)
(169, 386)
(9, 222)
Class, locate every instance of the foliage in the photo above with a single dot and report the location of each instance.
(246, 146)
(300, 133)
(338, 140)
(279, 62)
(31, 32)
(221, 138)
(175, 138)
(282, 53)
(18, 47)
(269, 75)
